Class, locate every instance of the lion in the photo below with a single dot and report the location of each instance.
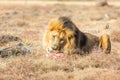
(62, 36)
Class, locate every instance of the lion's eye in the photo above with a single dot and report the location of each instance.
(53, 36)
(61, 40)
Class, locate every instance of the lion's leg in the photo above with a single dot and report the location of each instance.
(105, 43)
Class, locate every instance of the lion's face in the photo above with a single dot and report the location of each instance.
(57, 40)
(60, 36)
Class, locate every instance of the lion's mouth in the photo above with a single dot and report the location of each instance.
(53, 51)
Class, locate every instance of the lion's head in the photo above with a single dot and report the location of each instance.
(57, 40)
(60, 35)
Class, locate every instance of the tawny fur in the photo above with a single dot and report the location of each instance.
(62, 35)
(105, 43)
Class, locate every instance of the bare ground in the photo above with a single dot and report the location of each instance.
(29, 21)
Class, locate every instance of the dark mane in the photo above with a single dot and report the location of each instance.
(83, 39)
(67, 23)
(80, 37)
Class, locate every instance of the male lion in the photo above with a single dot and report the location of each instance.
(63, 36)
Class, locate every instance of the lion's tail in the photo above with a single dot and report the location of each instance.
(105, 43)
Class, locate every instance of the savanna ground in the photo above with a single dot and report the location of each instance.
(29, 22)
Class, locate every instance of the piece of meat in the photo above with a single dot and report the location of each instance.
(55, 55)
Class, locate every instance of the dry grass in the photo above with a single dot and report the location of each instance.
(29, 23)
(90, 67)
(115, 35)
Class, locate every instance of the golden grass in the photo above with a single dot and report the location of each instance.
(90, 67)
(29, 23)
(115, 35)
